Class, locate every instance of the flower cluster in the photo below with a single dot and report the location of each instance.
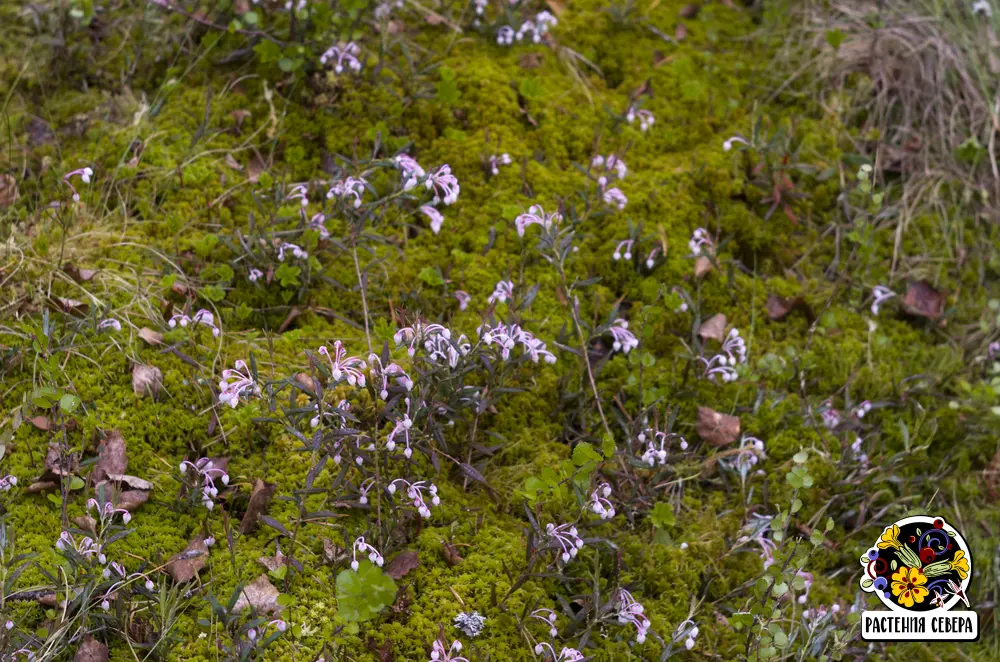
(110, 324)
(881, 294)
(440, 653)
(342, 365)
(543, 22)
(203, 316)
(236, 382)
(107, 511)
(86, 547)
(631, 611)
(84, 173)
(606, 166)
(206, 469)
(444, 185)
(442, 349)
(503, 290)
(7, 482)
(701, 243)
(656, 442)
(734, 350)
(411, 171)
(382, 374)
(361, 546)
(434, 216)
(419, 334)
(496, 161)
(599, 502)
(342, 54)
(565, 655)
(536, 216)
(687, 631)
(297, 252)
(348, 187)
(625, 340)
(415, 492)
(508, 336)
(565, 536)
(548, 617)
(646, 118)
(403, 426)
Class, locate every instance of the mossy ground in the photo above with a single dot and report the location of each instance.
(153, 80)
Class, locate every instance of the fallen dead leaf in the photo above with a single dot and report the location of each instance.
(556, 6)
(151, 337)
(131, 499)
(41, 486)
(41, 422)
(71, 305)
(233, 163)
(690, 11)
(186, 565)
(57, 466)
(702, 266)
(402, 563)
(239, 116)
(530, 60)
(922, 300)
(256, 166)
(259, 594)
(451, 555)
(306, 381)
(713, 328)
(78, 274)
(86, 522)
(112, 458)
(716, 428)
(133, 482)
(8, 191)
(680, 32)
(146, 380)
(330, 551)
(779, 307)
(91, 650)
(260, 496)
(272, 563)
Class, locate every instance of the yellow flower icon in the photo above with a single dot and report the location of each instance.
(908, 586)
(889, 538)
(960, 564)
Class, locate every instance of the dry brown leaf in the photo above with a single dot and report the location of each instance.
(557, 6)
(330, 551)
(151, 337)
(8, 191)
(402, 563)
(690, 11)
(133, 482)
(239, 116)
(451, 555)
(272, 563)
(256, 166)
(41, 486)
(922, 300)
(86, 522)
(530, 60)
(702, 266)
(77, 274)
(260, 496)
(41, 422)
(146, 380)
(57, 466)
(132, 499)
(71, 305)
(433, 19)
(186, 565)
(91, 650)
(112, 458)
(259, 594)
(716, 428)
(713, 328)
(233, 163)
(680, 32)
(779, 307)
(306, 381)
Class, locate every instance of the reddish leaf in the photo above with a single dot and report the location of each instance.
(778, 307)
(41, 422)
(91, 650)
(680, 32)
(922, 300)
(690, 11)
(451, 554)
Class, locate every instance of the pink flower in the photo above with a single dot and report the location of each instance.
(450, 654)
(342, 54)
(342, 366)
(503, 290)
(631, 611)
(565, 536)
(235, 383)
(435, 217)
(536, 216)
(444, 184)
(411, 171)
(415, 493)
(625, 341)
(83, 173)
(463, 299)
(361, 546)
